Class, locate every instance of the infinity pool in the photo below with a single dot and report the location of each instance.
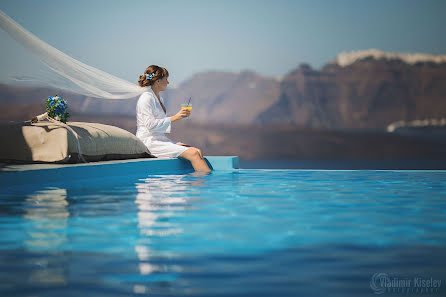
(229, 233)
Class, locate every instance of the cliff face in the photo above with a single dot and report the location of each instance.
(368, 93)
(362, 90)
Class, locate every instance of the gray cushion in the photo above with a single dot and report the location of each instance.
(52, 142)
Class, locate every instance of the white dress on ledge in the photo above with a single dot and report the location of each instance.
(152, 124)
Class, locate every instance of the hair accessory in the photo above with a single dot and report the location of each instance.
(149, 76)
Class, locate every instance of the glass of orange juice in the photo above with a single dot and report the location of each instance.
(187, 107)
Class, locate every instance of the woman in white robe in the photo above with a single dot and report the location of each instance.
(152, 121)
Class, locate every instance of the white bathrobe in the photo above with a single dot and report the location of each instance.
(152, 124)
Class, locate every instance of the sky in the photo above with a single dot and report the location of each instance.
(187, 37)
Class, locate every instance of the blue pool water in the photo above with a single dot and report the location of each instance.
(230, 233)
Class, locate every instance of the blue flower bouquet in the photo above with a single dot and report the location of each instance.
(56, 108)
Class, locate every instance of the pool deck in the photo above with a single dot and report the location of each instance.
(16, 175)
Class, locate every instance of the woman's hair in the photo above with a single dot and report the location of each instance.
(156, 73)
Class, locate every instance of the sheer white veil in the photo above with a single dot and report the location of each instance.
(72, 75)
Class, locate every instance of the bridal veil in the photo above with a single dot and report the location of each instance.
(68, 73)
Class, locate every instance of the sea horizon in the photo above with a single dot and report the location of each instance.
(346, 164)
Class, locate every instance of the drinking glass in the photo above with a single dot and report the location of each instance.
(187, 107)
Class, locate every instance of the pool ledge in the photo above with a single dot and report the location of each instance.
(16, 175)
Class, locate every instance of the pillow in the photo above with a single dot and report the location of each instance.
(53, 142)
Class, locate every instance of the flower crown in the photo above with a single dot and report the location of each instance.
(149, 76)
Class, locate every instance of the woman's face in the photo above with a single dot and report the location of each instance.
(162, 83)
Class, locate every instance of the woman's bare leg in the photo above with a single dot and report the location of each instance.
(195, 156)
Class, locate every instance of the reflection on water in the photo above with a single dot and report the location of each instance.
(158, 201)
(46, 217)
(46, 213)
(155, 206)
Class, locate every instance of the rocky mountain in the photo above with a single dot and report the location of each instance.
(368, 91)
(365, 89)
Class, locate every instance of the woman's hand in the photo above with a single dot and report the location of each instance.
(183, 113)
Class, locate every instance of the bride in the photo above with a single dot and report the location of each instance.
(152, 121)
(72, 75)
